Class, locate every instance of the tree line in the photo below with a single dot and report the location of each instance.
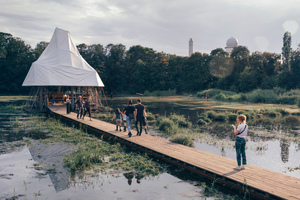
(141, 69)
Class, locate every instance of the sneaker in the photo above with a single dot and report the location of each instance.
(129, 134)
(138, 133)
(237, 168)
(243, 167)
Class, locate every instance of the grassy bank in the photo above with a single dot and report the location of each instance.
(274, 96)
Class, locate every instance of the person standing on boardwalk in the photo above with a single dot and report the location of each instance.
(118, 116)
(79, 106)
(124, 120)
(68, 105)
(140, 116)
(240, 142)
(87, 108)
(129, 111)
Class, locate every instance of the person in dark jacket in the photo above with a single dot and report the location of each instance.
(129, 111)
(79, 106)
(140, 116)
(87, 108)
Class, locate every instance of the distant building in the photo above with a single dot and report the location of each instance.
(230, 44)
(190, 47)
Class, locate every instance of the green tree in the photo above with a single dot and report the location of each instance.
(114, 75)
(40, 47)
(286, 50)
(16, 59)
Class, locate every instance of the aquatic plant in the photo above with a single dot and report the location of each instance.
(183, 139)
(166, 126)
(150, 116)
(292, 120)
(201, 122)
(232, 117)
(180, 120)
(214, 92)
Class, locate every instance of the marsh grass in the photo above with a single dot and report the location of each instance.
(11, 108)
(13, 98)
(90, 152)
(183, 139)
(213, 191)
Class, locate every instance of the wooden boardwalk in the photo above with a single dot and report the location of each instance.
(261, 183)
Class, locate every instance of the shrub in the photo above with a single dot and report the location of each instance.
(287, 100)
(184, 124)
(262, 96)
(239, 112)
(282, 112)
(211, 115)
(181, 121)
(232, 117)
(273, 114)
(221, 117)
(221, 97)
(166, 125)
(159, 120)
(202, 115)
(292, 120)
(250, 115)
(150, 116)
(214, 92)
(184, 140)
(236, 97)
(201, 122)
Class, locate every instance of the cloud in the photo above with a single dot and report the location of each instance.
(160, 24)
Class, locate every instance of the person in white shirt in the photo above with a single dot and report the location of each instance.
(240, 142)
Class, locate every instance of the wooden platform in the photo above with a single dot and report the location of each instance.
(260, 183)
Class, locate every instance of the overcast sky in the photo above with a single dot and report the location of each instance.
(164, 25)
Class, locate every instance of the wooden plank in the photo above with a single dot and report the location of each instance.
(262, 181)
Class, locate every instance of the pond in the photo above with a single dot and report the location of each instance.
(35, 171)
(32, 172)
(279, 155)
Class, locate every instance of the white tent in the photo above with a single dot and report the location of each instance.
(61, 65)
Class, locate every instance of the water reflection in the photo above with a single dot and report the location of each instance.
(284, 145)
(130, 175)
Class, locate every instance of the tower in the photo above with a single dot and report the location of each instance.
(190, 47)
(230, 44)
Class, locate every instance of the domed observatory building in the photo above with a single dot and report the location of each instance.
(230, 44)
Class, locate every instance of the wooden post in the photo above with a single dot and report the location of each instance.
(104, 96)
(41, 98)
(72, 98)
(96, 97)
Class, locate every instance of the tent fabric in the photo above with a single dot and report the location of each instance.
(62, 65)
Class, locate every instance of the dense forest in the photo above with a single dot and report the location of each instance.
(141, 69)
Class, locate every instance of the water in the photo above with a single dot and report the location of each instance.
(276, 155)
(25, 171)
(36, 172)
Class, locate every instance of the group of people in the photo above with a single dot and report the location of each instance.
(138, 114)
(82, 108)
(130, 113)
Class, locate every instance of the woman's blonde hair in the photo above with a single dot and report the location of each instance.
(242, 118)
